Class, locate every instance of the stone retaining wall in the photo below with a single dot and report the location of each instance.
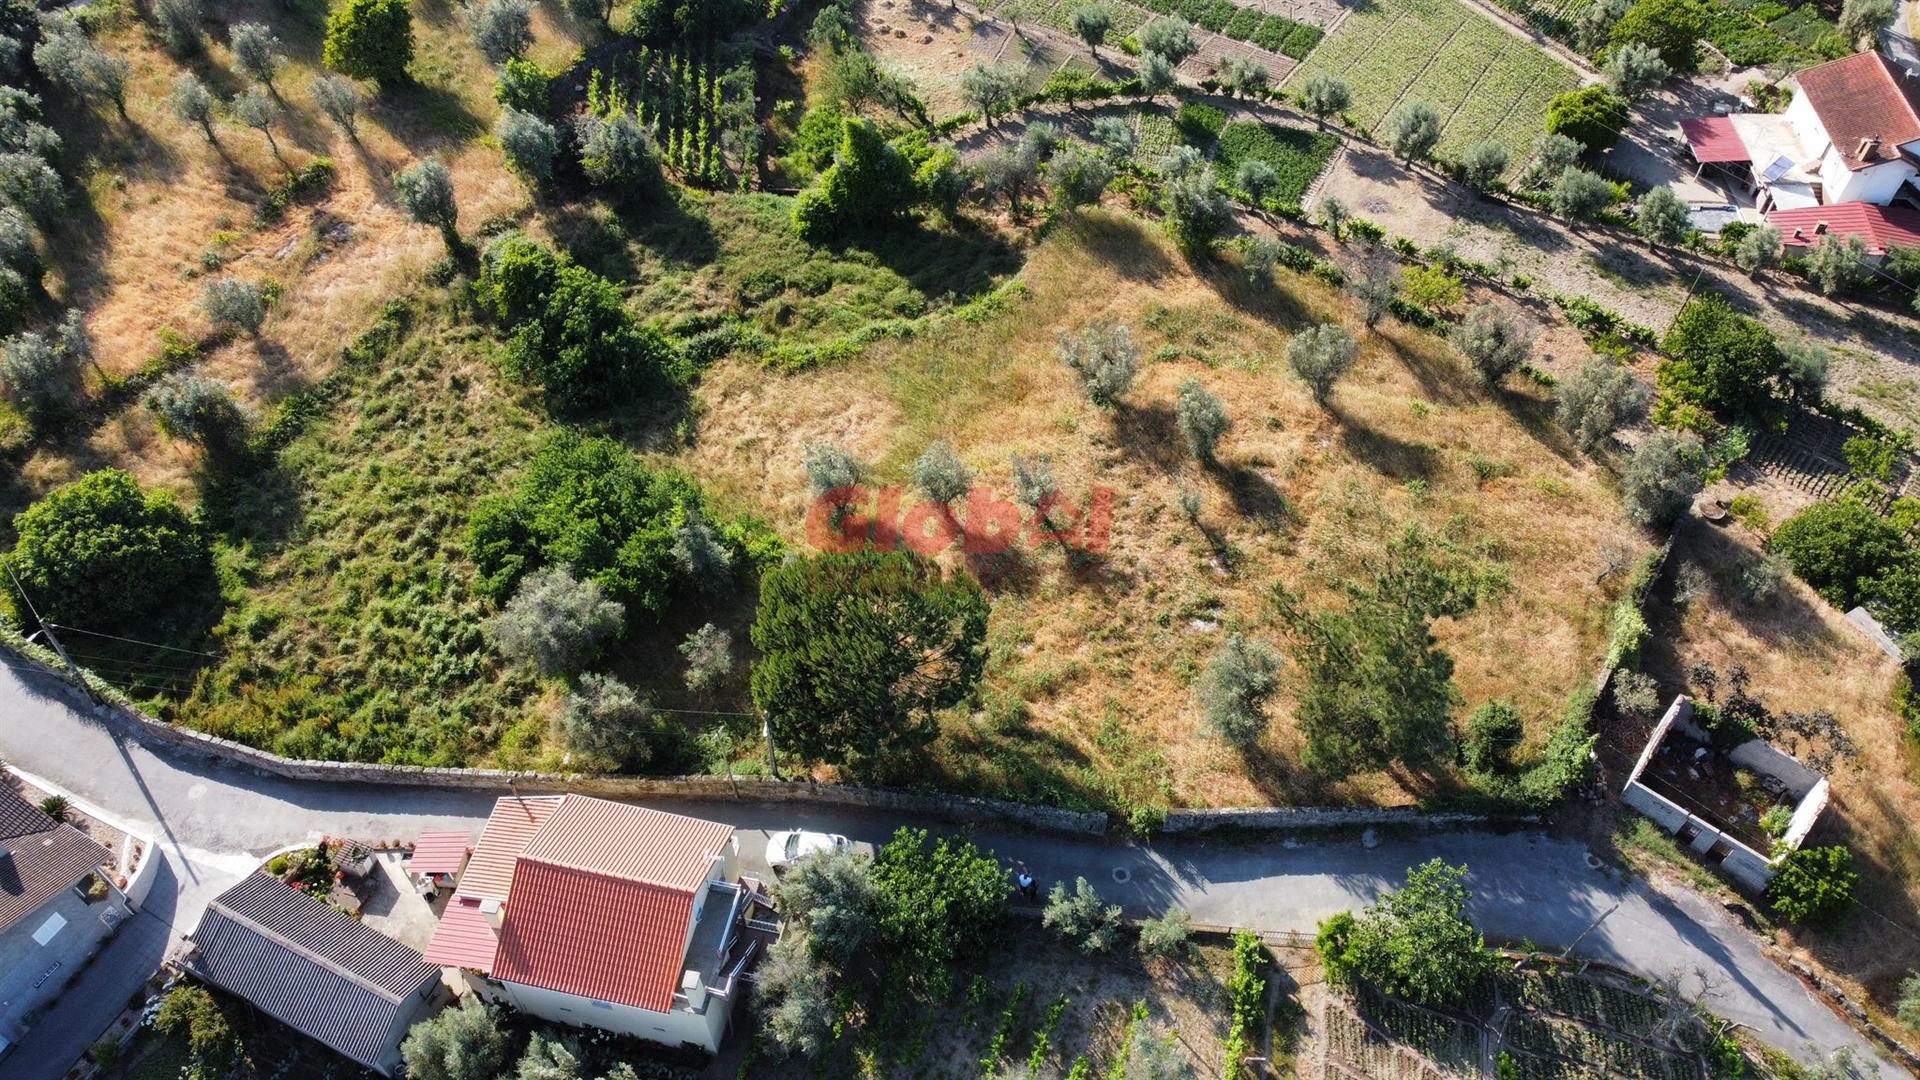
(1307, 817)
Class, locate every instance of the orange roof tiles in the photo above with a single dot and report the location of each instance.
(463, 939)
(439, 853)
(629, 842)
(584, 933)
(1864, 97)
(510, 828)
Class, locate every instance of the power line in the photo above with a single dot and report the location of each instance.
(135, 641)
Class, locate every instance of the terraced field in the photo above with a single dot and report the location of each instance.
(1486, 83)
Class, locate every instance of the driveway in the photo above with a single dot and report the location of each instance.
(211, 820)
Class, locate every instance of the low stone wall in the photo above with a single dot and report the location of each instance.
(1307, 817)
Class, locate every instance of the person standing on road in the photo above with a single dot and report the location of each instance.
(1023, 878)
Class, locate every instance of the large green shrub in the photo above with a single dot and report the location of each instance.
(104, 554)
(938, 902)
(1840, 548)
(370, 39)
(1671, 27)
(1722, 360)
(1415, 943)
(868, 183)
(1814, 886)
(858, 651)
(1591, 116)
(568, 332)
(590, 505)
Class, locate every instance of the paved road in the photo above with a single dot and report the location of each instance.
(211, 819)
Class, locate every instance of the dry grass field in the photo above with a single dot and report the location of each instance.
(1103, 661)
(164, 209)
(1803, 655)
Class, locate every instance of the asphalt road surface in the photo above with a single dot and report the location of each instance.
(213, 821)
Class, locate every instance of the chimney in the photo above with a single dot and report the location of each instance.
(695, 989)
(491, 910)
(1819, 228)
(1867, 146)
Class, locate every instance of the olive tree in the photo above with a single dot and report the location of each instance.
(1662, 216)
(1157, 75)
(502, 29)
(1553, 155)
(192, 103)
(257, 109)
(425, 190)
(1257, 180)
(709, 655)
(1836, 262)
(529, 144)
(1804, 364)
(195, 408)
(233, 303)
(1115, 136)
(556, 622)
(703, 558)
(256, 50)
(940, 475)
(36, 375)
(467, 1042)
(1105, 357)
(1376, 289)
(1082, 917)
(1580, 196)
(1203, 420)
(1324, 96)
(180, 23)
(1635, 70)
(1412, 131)
(1092, 23)
(1483, 164)
(1662, 474)
(615, 151)
(1241, 676)
(68, 58)
(606, 722)
(832, 897)
(1196, 211)
(990, 89)
(340, 98)
(829, 468)
(1495, 340)
(1758, 250)
(1320, 355)
(30, 185)
(1598, 399)
(1861, 20)
(1241, 77)
(1079, 174)
(1170, 36)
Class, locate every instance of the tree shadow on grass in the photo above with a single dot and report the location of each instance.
(422, 117)
(1424, 359)
(1151, 433)
(249, 499)
(1534, 412)
(1393, 457)
(1256, 497)
(1121, 242)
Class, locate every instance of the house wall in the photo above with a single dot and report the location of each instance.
(1744, 865)
(432, 999)
(671, 1029)
(1806, 127)
(1878, 184)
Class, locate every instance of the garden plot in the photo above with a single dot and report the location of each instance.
(1485, 82)
(1215, 48)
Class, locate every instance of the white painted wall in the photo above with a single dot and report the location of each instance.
(1806, 127)
(671, 1029)
(1877, 184)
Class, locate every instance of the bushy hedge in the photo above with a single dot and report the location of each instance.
(568, 332)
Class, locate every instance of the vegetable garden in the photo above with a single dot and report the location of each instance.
(1296, 155)
(699, 110)
(1485, 82)
(1548, 1026)
(1274, 33)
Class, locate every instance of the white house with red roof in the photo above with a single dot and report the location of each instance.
(1851, 134)
(599, 914)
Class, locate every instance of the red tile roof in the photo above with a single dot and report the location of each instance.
(599, 898)
(1864, 97)
(439, 853)
(1882, 227)
(463, 939)
(629, 842)
(1712, 139)
(510, 828)
(597, 936)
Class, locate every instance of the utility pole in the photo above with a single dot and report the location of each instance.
(53, 641)
(766, 729)
(1591, 927)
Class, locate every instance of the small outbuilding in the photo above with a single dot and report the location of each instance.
(315, 969)
(1706, 796)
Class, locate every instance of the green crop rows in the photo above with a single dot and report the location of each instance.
(1486, 83)
(1296, 155)
(1754, 32)
(684, 98)
(1270, 32)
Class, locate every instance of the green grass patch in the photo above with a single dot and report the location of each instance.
(1296, 155)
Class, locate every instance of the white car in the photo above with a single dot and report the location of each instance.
(785, 848)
